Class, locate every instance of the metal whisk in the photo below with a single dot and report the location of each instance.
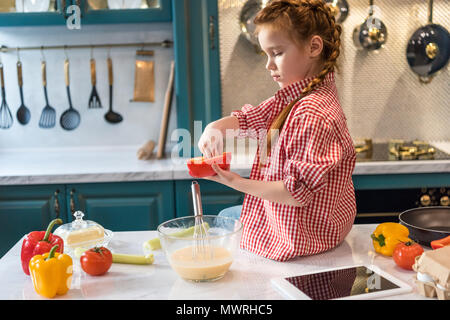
(202, 247)
(6, 119)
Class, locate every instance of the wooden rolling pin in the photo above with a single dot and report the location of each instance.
(145, 152)
(166, 113)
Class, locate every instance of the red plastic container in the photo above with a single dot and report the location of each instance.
(201, 167)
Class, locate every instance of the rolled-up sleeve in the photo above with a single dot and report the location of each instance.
(312, 150)
(253, 119)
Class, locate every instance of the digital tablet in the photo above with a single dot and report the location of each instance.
(351, 282)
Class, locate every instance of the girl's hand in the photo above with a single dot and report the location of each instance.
(210, 143)
(225, 177)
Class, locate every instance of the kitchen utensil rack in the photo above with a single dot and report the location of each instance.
(164, 44)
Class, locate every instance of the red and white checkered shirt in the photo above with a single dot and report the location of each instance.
(314, 156)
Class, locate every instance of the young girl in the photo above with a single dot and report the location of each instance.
(300, 199)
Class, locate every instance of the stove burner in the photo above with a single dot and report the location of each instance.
(411, 150)
(365, 150)
(397, 150)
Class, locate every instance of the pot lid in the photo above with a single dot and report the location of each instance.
(428, 49)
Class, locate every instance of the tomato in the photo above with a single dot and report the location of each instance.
(201, 167)
(96, 261)
(405, 254)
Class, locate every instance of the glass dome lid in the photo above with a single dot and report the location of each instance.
(83, 233)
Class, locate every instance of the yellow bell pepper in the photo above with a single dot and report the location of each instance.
(387, 235)
(51, 273)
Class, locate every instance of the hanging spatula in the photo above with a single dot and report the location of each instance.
(94, 99)
(48, 115)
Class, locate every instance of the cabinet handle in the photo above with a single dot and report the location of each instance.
(72, 201)
(56, 203)
(63, 8)
(212, 32)
(78, 2)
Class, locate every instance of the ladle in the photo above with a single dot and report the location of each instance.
(70, 119)
(23, 114)
(111, 116)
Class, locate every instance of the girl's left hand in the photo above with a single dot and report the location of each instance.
(225, 177)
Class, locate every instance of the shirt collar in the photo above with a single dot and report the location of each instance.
(294, 90)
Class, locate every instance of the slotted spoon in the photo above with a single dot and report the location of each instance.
(6, 118)
(94, 99)
(48, 115)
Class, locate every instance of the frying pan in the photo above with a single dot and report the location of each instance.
(372, 33)
(428, 48)
(426, 224)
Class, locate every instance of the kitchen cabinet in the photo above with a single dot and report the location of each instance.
(215, 197)
(27, 208)
(123, 206)
(126, 206)
(54, 16)
(159, 11)
(400, 181)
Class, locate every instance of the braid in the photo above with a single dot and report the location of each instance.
(320, 14)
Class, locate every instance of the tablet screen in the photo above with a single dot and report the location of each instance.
(341, 283)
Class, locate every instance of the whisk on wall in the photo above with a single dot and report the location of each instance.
(6, 119)
(201, 249)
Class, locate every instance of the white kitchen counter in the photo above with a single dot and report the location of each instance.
(248, 278)
(105, 164)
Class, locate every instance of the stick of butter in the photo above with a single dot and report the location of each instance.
(85, 235)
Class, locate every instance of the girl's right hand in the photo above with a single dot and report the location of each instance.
(210, 143)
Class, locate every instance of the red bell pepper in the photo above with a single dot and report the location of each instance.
(201, 167)
(440, 243)
(40, 242)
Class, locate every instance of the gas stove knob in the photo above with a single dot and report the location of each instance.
(425, 200)
(445, 201)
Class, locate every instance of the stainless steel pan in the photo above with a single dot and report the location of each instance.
(246, 17)
(339, 8)
(426, 224)
(372, 33)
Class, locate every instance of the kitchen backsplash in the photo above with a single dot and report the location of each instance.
(381, 96)
(141, 120)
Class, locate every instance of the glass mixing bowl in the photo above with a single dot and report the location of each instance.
(207, 259)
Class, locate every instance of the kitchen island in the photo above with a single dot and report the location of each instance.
(248, 278)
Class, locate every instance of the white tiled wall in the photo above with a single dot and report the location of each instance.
(381, 96)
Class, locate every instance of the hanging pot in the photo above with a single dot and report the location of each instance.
(339, 8)
(246, 17)
(372, 33)
(428, 48)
